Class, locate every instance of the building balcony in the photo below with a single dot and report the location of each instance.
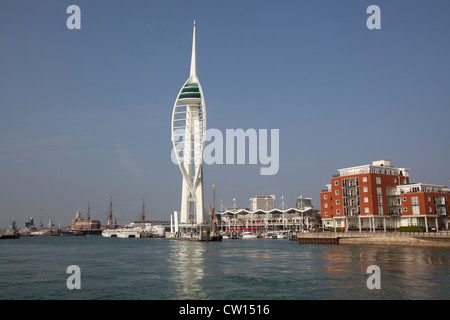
(394, 204)
(353, 214)
(350, 194)
(393, 193)
(350, 183)
(351, 204)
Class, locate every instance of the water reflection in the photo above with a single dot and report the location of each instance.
(186, 261)
(270, 269)
(34, 268)
(405, 271)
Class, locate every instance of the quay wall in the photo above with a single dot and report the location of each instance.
(376, 239)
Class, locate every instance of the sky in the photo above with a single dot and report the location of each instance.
(85, 114)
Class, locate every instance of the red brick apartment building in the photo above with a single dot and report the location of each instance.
(378, 196)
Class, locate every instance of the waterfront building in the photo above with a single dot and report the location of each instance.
(264, 216)
(310, 215)
(188, 138)
(80, 226)
(378, 196)
(301, 202)
(263, 203)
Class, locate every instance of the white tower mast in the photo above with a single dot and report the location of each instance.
(188, 138)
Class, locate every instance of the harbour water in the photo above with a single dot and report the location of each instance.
(256, 269)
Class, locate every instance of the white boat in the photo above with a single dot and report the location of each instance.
(121, 233)
(138, 229)
(271, 235)
(249, 235)
(282, 234)
(226, 235)
(109, 233)
(132, 230)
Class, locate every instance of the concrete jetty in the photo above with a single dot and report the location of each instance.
(394, 238)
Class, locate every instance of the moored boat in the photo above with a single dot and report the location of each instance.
(11, 232)
(132, 230)
(271, 235)
(249, 235)
(283, 234)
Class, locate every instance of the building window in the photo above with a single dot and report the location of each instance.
(428, 198)
(364, 179)
(336, 183)
(405, 209)
(336, 192)
(365, 189)
(366, 199)
(326, 214)
(395, 180)
(325, 197)
(404, 199)
(337, 201)
(338, 211)
(379, 196)
(429, 209)
(325, 205)
(378, 180)
(366, 210)
(415, 205)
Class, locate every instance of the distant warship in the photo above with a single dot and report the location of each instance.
(11, 232)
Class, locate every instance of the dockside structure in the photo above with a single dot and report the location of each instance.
(267, 218)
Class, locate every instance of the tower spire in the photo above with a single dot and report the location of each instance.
(193, 56)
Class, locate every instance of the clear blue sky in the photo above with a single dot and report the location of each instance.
(85, 114)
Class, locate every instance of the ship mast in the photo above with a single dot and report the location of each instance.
(110, 219)
(143, 211)
(89, 216)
